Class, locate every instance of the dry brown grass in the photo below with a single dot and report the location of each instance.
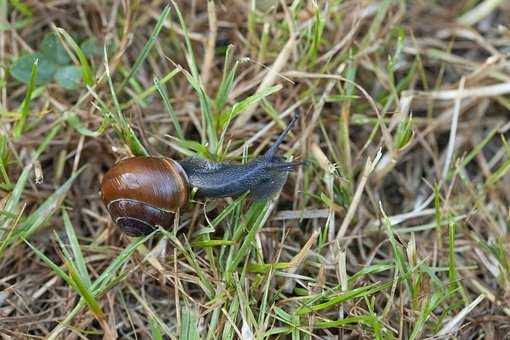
(439, 264)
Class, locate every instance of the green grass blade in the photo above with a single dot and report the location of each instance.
(194, 80)
(368, 270)
(255, 218)
(55, 333)
(81, 265)
(228, 329)
(124, 256)
(266, 267)
(13, 201)
(241, 106)
(166, 101)
(138, 98)
(227, 80)
(452, 265)
(499, 173)
(45, 210)
(86, 70)
(52, 265)
(4, 157)
(12, 227)
(315, 38)
(155, 329)
(399, 257)
(349, 295)
(205, 107)
(211, 243)
(191, 257)
(25, 106)
(121, 124)
(46, 141)
(213, 323)
(102, 282)
(189, 324)
(251, 100)
(148, 46)
(263, 313)
(73, 120)
(362, 319)
(430, 303)
(453, 280)
(84, 291)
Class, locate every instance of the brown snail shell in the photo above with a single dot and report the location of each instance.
(143, 192)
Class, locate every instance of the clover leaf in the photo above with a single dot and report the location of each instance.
(91, 48)
(54, 63)
(53, 49)
(69, 77)
(22, 68)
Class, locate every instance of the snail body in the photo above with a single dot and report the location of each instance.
(261, 177)
(141, 193)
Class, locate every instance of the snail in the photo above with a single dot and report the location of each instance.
(143, 192)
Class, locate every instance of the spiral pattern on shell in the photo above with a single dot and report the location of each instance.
(143, 192)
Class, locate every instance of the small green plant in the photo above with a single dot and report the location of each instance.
(404, 133)
(54, 63)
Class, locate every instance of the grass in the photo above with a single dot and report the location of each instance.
(396, 229)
